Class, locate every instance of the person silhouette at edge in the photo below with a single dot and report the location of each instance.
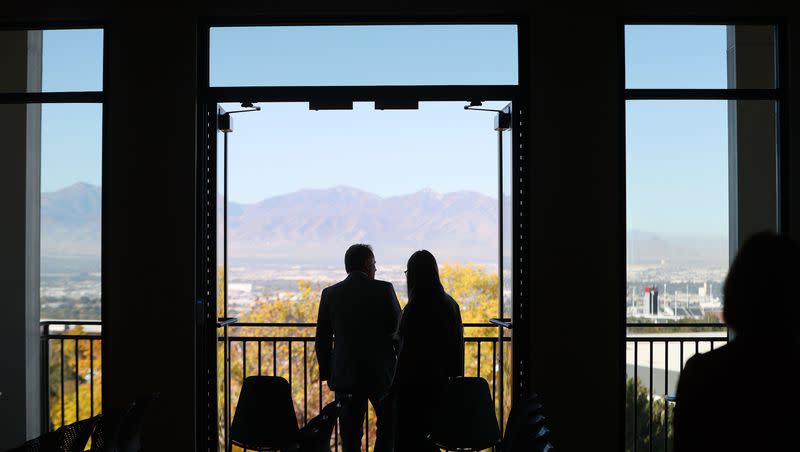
(356, 347)
(744, 396)
(432, 351)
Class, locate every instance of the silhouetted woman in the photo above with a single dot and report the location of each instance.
(744, 396)
(432, 351)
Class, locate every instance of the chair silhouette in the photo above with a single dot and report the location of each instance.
(525, 429)
(120, 430)
(264, 418)
(316, 435)
(68, 438)
(465, 419)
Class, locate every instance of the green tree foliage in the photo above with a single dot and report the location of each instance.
(666, 328)
(638, 411)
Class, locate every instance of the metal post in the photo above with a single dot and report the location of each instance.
(45, 377)
(500, 313)
(226, 349)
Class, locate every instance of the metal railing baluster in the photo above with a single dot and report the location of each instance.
(77, 381)
(651, 384)
(635, 395)
(649, 437)
(91, 377)
(305, 383)
(62, 382)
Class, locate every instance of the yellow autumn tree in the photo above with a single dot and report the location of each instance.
(75, 377)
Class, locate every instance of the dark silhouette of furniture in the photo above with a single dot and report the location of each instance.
(316, 435)
(120, 430)
(264, 418)
(465, 419)
(68, 438)
(526, 429)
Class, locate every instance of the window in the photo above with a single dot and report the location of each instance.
(51, 117)
(701, 176)
(364, 55)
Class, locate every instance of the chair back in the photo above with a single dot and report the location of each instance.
(120, 430)
(68, 438)
(316, 435)
(466, 418)
(75, 436)
(264, 417)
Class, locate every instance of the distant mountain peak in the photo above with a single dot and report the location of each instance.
(344, 188)
(77, 187)
(430, 193)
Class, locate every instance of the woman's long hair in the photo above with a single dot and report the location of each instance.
(431, 326)
(422, 277)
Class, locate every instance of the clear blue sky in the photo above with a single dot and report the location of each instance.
(364, 55)
(287, 147)
(72, 60)
(677, 151)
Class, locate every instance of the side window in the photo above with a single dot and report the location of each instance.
(701, 176)
(51, 118)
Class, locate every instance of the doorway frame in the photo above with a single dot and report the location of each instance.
(206, 336)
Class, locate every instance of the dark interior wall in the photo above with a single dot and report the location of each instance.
(577, 228)
(148, 219)
(576, 196)
(790, 202)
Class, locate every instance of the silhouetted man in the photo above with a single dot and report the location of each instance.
(357, 347)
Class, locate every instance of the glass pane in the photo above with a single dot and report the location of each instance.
(71, 161)
(699, 56)
(51, 60)
(222, 401)
(52, 160)
(508, 261)
(701, 178)
(508, 224)
(364, 55)
(677, 208)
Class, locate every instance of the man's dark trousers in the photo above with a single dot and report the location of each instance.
(351, 421)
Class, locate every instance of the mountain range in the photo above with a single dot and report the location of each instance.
(315, 226)
(308, 226)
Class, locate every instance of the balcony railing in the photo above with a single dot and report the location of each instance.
(70, 371)
(287, 349)
(655, 356)
(71, 362)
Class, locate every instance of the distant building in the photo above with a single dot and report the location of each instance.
(654, 300)
(651, 300)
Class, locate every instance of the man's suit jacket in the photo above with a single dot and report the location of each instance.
(356, 340)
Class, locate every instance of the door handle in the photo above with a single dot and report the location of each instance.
(505, 323)
(226, 321)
